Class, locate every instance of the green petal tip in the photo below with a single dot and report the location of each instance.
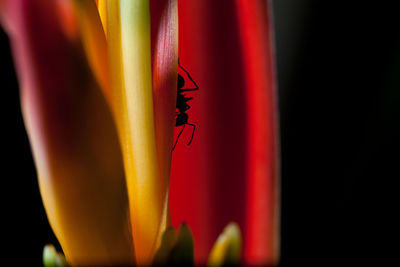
(52, 258)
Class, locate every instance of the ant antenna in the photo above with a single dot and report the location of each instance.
(187, 73)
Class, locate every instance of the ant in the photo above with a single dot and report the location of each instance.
(182, 106)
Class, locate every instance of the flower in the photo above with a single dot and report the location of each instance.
(98, 86)
(81, 110)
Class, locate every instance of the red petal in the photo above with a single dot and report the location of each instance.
(262, 228)
(228, 173)
(208, 177)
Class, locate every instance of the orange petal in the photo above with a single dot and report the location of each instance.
(102, 6)
(95, 43)
(73, 138)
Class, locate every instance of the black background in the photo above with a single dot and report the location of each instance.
(24, 226)
(339, 95)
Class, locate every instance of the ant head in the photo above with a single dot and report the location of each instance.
(181, 81)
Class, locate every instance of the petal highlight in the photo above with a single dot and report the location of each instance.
(262, 224)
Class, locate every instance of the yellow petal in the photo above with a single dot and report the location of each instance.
(130, 59)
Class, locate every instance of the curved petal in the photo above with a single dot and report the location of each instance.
(164, 36)
(73, 138)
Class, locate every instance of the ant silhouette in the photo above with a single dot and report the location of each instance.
(182, 106)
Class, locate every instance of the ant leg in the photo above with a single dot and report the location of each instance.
(177, 138)
(191, 138)
(189, 89)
